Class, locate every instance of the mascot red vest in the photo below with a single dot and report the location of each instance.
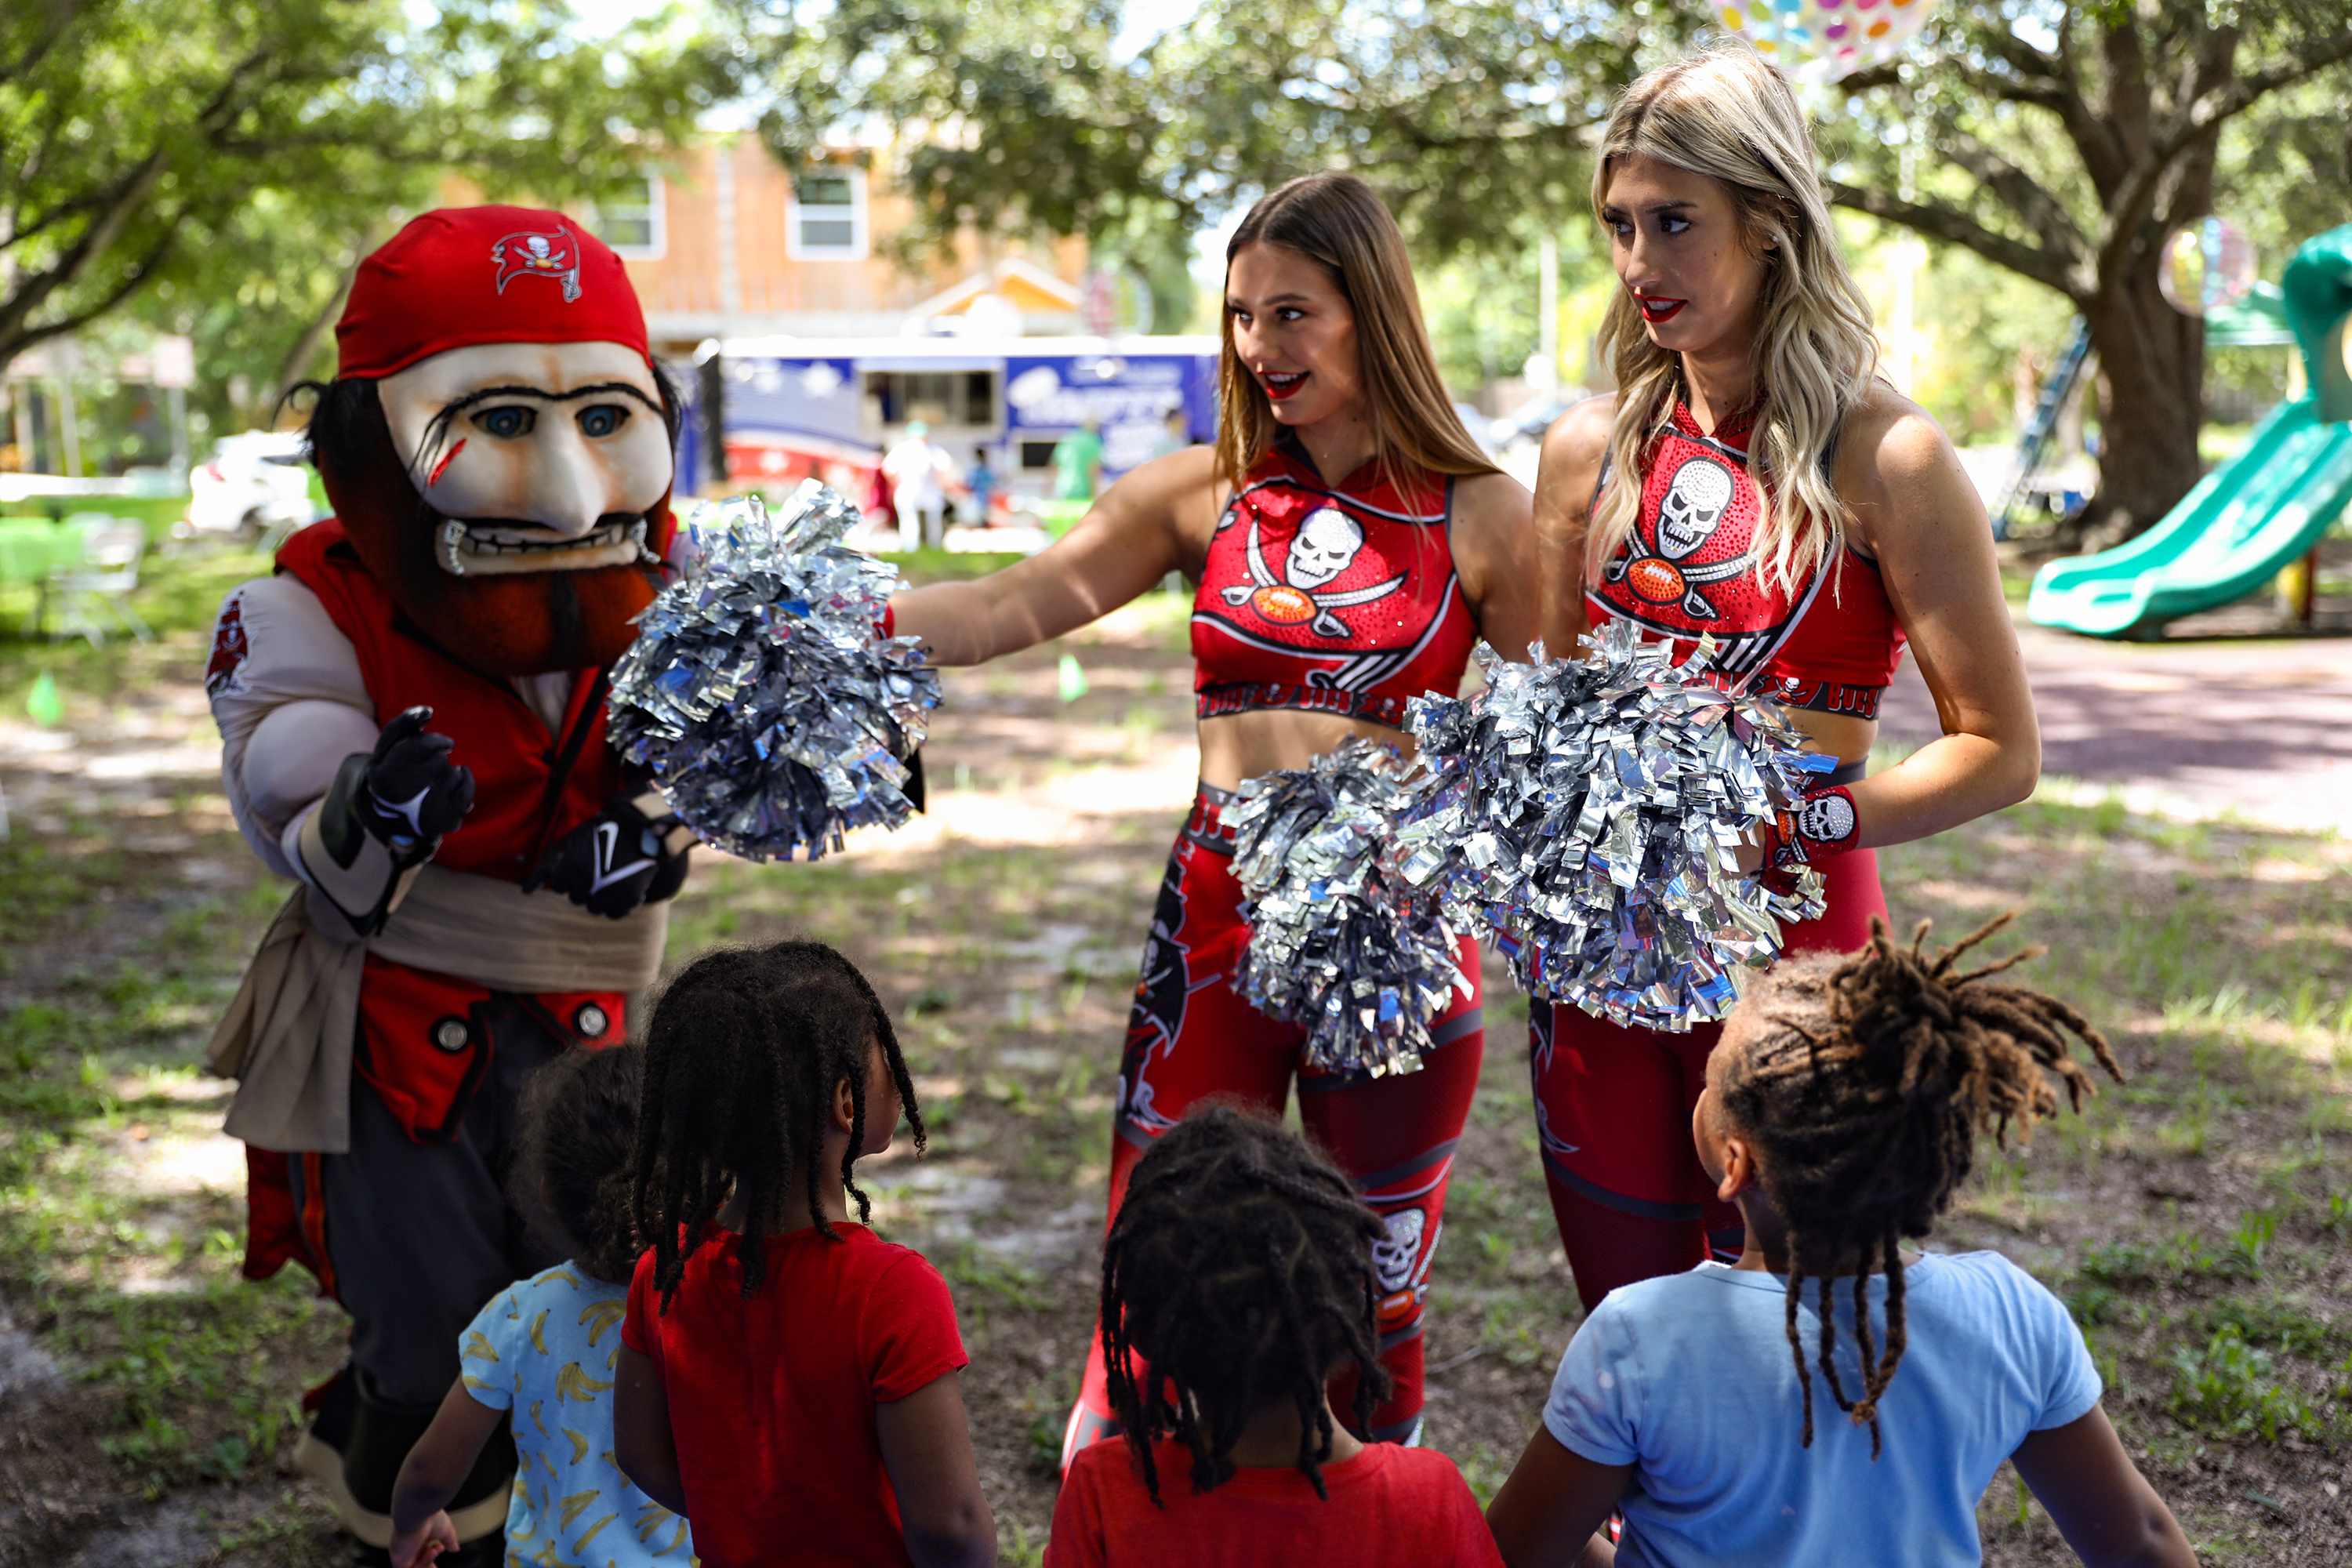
(411, 713)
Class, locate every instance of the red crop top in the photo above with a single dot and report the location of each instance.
(1691, 565)
(1339, 600)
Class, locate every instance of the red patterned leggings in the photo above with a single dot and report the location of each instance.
(1613, 1114)
(1191, 1036)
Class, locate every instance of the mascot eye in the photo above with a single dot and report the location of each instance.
(509, 422)
(601, 420)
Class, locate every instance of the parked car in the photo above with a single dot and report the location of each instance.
(254, 488)
(1516, 438)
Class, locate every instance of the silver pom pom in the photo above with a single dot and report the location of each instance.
(773, 713)
(1590, 813)
(1337, 941)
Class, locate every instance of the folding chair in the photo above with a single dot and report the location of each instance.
(102, 583)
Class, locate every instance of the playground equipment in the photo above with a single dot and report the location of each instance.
(2256, 513)
(2034, 441)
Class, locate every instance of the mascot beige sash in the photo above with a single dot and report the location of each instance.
(288, 1035)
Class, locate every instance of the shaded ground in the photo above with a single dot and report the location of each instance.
(2196, 1220)
(2263, 729)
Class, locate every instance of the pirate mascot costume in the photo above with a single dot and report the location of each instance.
(411, 713)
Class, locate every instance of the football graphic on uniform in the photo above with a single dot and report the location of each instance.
(1326, 545)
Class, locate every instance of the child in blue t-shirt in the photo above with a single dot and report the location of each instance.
(1841, 1113)
(539, 1358)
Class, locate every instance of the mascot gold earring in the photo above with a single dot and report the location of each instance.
(412, 713)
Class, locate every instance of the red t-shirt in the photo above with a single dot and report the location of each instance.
(1390, 1508)
(771, 1396)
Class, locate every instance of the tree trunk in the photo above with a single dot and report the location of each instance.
(2151, 386)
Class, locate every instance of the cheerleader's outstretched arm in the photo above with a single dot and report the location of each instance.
(1137, 532)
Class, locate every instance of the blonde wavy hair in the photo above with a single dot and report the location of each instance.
(1337, 221)
(1722, 111)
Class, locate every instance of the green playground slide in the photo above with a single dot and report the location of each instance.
(2254, 514)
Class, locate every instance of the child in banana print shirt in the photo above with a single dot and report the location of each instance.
(538, 1359)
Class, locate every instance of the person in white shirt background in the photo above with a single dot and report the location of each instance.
(919, 470)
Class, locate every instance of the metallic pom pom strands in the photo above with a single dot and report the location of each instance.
(1337, 941)
(773, 714)
(1590, 813)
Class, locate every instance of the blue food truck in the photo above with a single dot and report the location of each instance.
(772, 411)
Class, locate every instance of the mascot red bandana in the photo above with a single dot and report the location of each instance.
(497, 446)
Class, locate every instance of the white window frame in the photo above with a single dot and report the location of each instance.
(855, 213)
(656, 198)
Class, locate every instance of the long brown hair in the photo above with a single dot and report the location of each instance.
(1336, 221)
(1725, 112)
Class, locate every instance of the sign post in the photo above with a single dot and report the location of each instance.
(175, 371)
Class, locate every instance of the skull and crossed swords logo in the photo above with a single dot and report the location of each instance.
(1325, 546)
(550, 256)
(1696, 501)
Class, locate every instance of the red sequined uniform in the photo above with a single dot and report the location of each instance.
(1339, 599)
(1613, 1104)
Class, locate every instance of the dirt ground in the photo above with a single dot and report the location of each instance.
(2196, 1220)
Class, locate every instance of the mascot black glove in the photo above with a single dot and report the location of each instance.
(383, 817)
(406, 794)
(634, 852)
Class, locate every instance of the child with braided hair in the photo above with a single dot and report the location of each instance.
(1239, 1284)
(1841, 1114)
(788, 1379)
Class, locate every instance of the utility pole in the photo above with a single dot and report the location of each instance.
(730, 264)
(1548, 314)
(69, 422)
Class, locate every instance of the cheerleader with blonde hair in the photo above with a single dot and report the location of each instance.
(1754, 481)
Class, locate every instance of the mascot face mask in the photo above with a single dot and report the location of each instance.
(541, 456)
(509, 480)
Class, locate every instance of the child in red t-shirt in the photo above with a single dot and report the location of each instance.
(1241, 1269)
(788, 1379)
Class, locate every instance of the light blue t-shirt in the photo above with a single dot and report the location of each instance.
(1689, 1379)
(545, 1348)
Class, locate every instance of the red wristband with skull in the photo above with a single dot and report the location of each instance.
(1822, 825)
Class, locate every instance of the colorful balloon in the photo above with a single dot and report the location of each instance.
(2207, 263)
(1824, 40)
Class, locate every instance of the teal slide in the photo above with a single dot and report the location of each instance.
(2253, 515)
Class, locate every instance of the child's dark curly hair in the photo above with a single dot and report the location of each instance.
(1240, 1268)
(572, 1170)
(1865, 1085)
(741, 1056)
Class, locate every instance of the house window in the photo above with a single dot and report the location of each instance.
(631, 220)
(827, 217)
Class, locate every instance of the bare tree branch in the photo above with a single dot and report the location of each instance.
(119, 204)
(62, 14)
(1938, 222)
(113, 209)
(134, 280)
(2039, 211)
(2202, 121)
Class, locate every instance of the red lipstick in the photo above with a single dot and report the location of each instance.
(1286, 385)
(1659, 309)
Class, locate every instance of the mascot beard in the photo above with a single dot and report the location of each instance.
(506, 623)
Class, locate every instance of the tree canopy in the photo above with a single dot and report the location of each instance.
(217, 166)
(1469, 114)
(2060, 139)
(2065, 141)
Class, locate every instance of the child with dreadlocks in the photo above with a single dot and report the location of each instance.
(788, 1379)
(1241, 1269)
(538, 1361)
(1841, 1113)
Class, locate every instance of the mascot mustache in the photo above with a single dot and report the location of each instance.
(511, 624)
